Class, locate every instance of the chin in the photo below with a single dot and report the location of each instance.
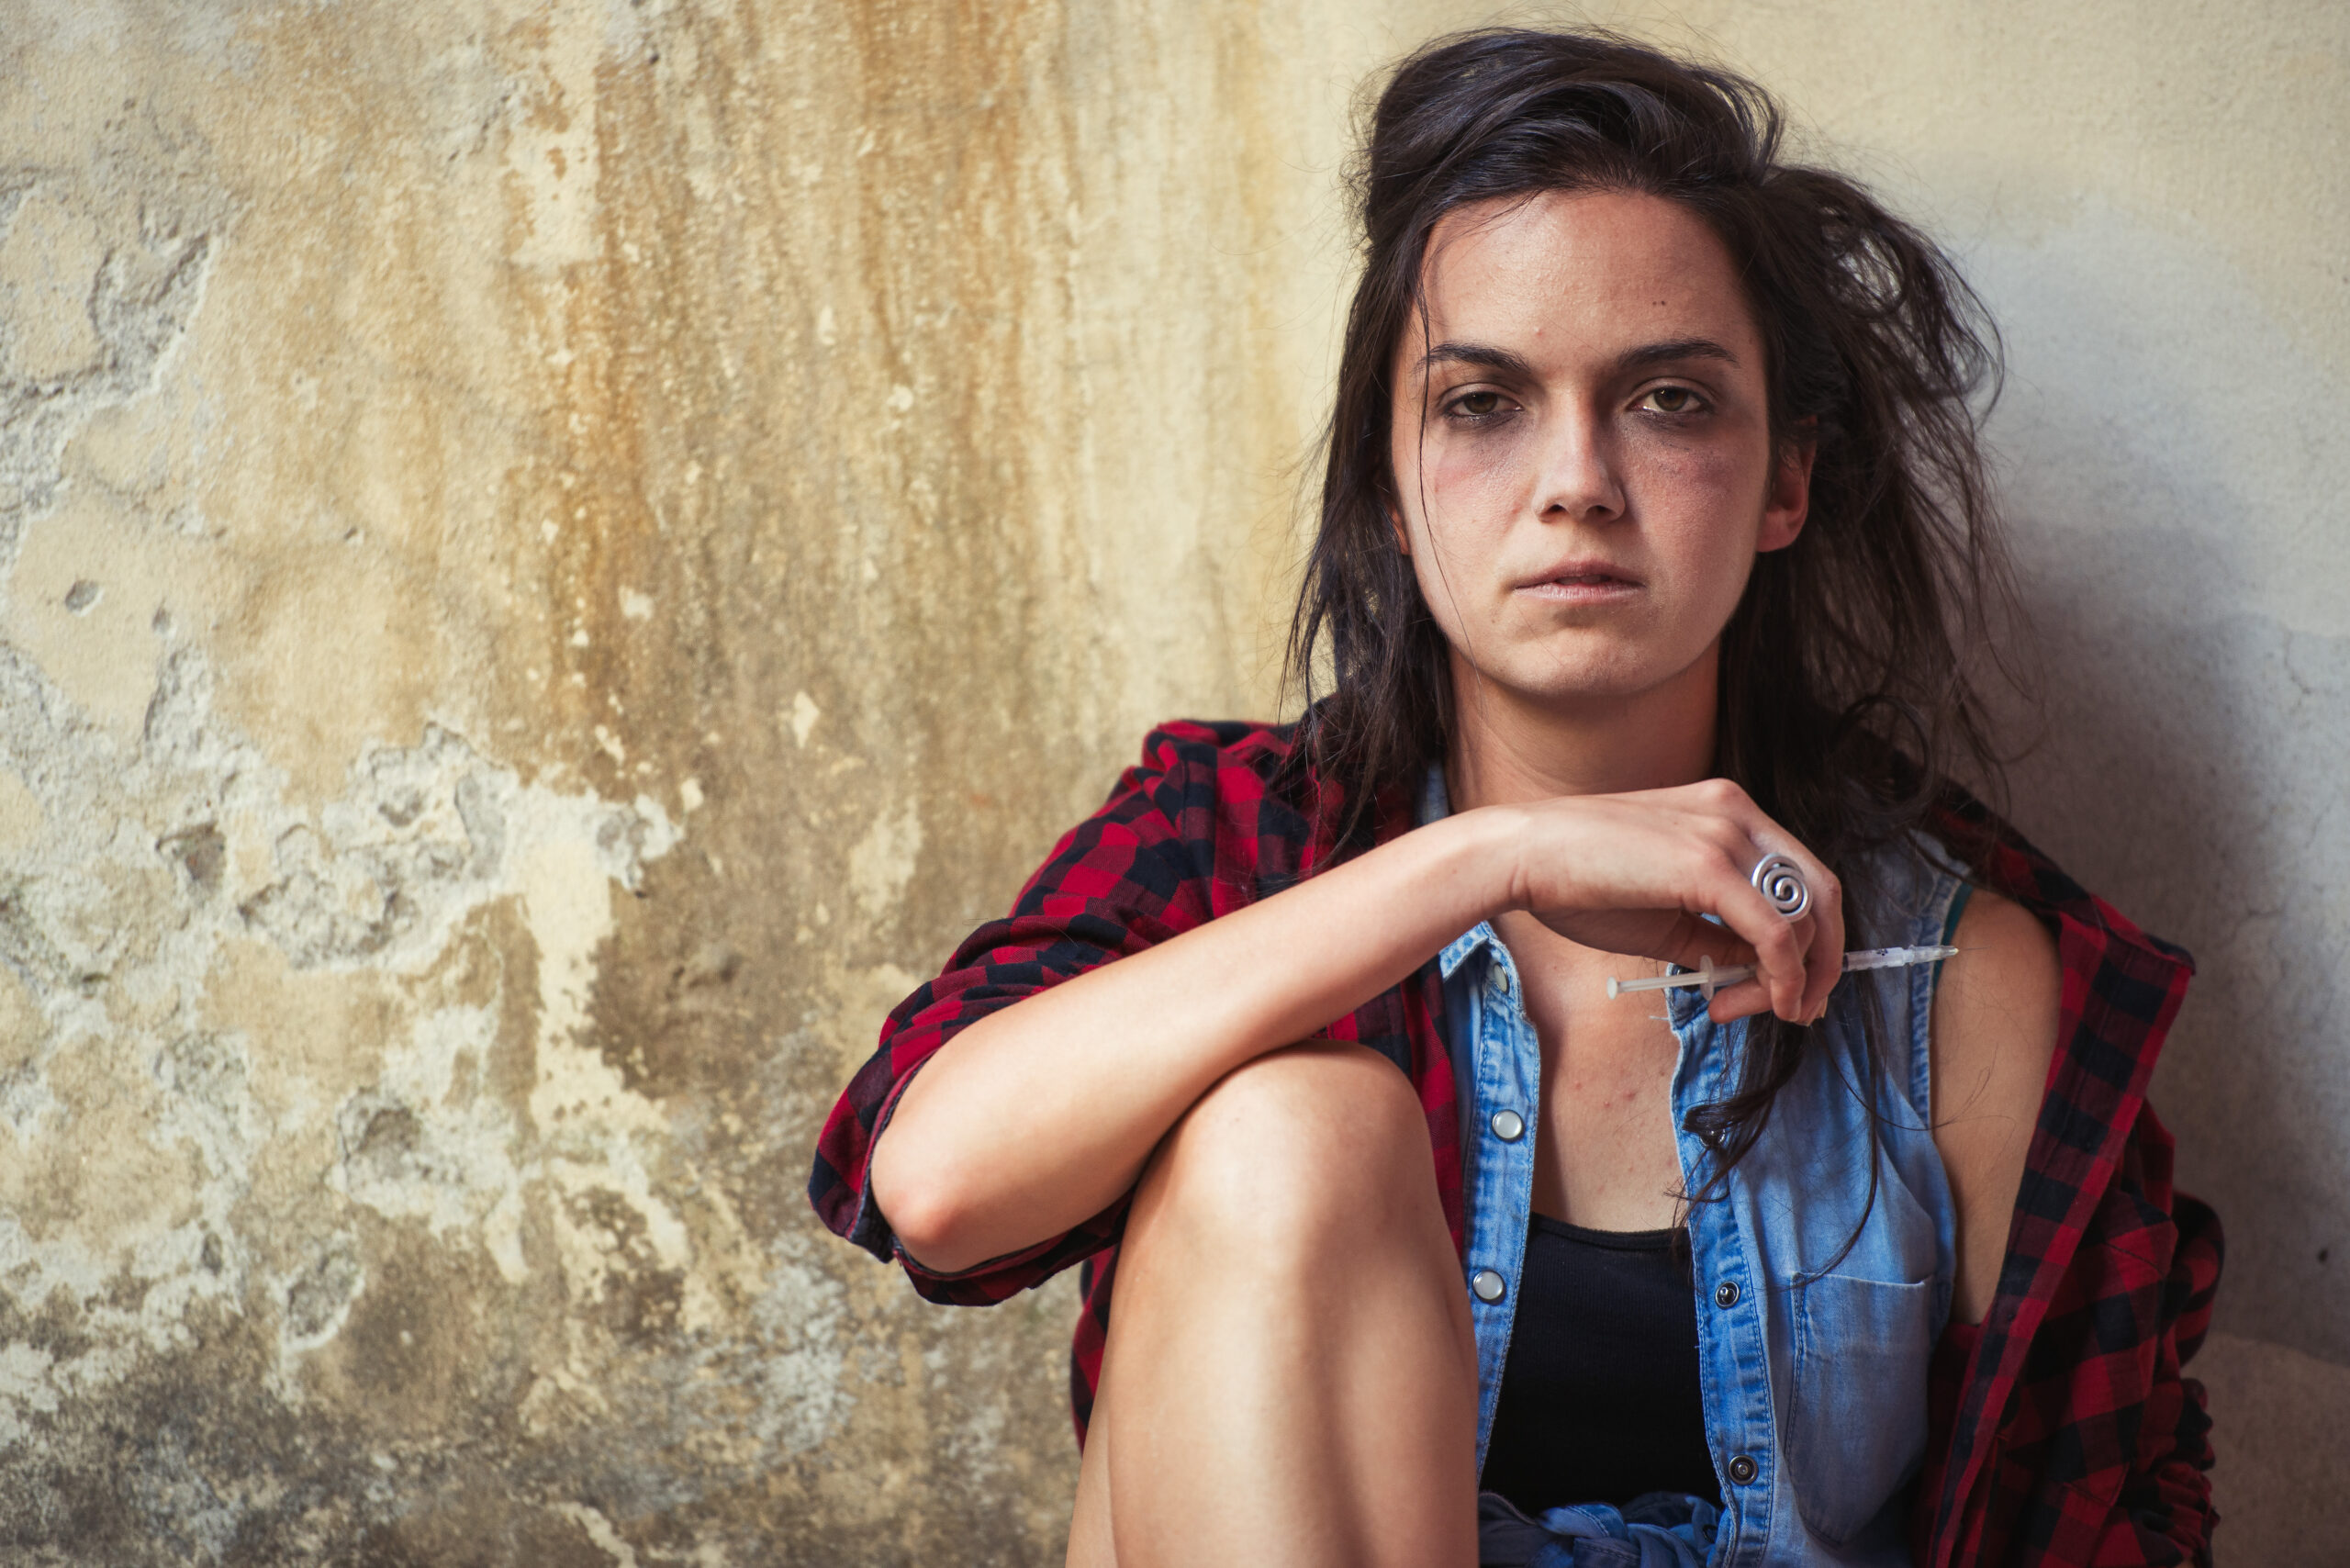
(1596, 681)
(1577, 667)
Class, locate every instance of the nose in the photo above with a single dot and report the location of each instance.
(1576, 478)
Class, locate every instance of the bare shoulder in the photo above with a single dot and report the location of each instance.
(1994, 1035)
(1994, 1013)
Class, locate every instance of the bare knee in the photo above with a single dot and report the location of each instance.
(1320, 1144)
(1291, 1357)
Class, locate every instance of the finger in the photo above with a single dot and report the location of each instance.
(1818, 930)
(1780, 949)
(1740, 1001)
(1737, 837)
(1692, 941)
(1827, 953)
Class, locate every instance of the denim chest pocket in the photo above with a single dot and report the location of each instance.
(1857, 1427)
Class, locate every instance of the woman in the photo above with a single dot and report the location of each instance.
(1653, 517)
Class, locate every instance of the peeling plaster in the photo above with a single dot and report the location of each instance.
(87, 322)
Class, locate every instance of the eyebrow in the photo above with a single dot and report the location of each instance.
(1483, 355)
(1673, 349)
(1503, 361)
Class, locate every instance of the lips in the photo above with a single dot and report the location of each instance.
(1584, 575)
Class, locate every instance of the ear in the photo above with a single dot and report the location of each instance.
(1788, 500)
(1402, 534)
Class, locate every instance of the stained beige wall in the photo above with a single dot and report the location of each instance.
(553, 556)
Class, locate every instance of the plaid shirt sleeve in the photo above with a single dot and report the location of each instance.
(2064, 1431)
(1186, 835)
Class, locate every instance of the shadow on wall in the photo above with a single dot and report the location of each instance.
(2174, 475)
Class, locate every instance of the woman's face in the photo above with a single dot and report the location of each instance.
(1582, 446)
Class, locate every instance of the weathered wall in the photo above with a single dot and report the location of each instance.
(554, 555)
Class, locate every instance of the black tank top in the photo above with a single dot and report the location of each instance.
(1601, 1398)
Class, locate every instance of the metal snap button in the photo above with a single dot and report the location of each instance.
(1488, 1285)
(1726, 1293)
(1508, 1126)
(1742, 1470)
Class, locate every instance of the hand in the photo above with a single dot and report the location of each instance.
(1636, 873)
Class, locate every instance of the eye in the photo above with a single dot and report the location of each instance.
(1671, 400)
(1476, 405)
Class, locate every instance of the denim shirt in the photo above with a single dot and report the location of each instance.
(1812, 1355)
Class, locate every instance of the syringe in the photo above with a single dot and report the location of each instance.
(1709, 979)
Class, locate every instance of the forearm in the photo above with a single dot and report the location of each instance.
(1038, 1116)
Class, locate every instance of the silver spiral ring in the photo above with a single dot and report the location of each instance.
(1780, 879)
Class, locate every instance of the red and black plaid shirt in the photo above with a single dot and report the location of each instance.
(2062, 1432)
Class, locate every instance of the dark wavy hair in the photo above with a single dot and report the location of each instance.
(1845, 699)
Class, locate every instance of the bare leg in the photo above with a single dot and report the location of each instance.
(1290, 1376)
(1092, 1543)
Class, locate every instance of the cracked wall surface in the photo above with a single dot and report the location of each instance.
(556, 554)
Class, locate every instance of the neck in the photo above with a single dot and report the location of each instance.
(1508, 746)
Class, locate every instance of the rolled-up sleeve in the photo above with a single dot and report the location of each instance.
(1138, 871)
